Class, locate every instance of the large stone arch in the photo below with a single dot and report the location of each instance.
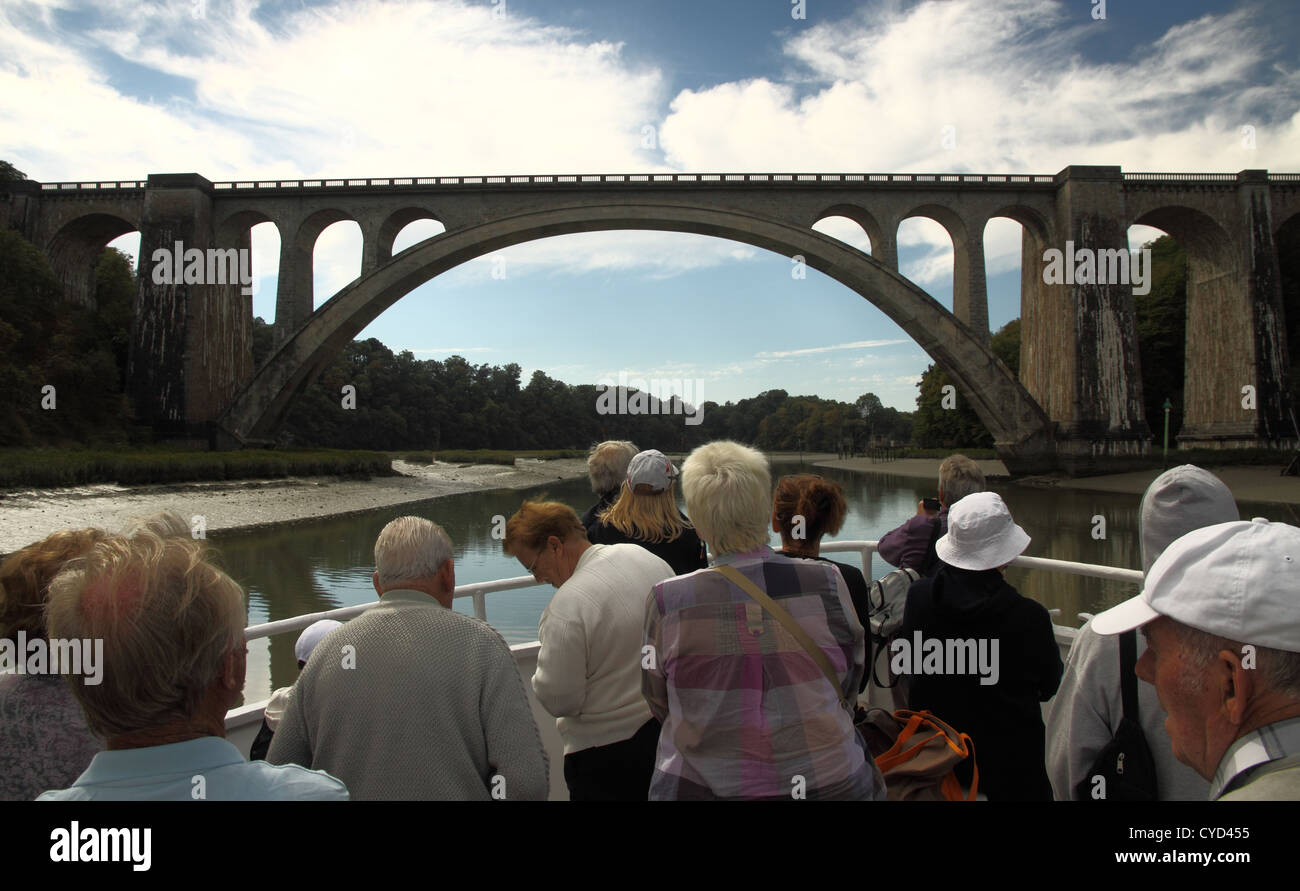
(73, 249)
(1023, 433)
(1221, 349)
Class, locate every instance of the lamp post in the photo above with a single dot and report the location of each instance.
(1167, 406)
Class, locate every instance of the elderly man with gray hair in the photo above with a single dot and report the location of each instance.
(911, 545)
(411, 700)
(174, 658)
(607, 467)
(1219, 614)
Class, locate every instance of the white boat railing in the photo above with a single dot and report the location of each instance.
(479, 590)
(242, 723)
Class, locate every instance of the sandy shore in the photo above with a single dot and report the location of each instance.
(1247, 483)
(29, 515)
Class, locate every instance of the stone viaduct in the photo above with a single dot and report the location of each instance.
(1080, 390)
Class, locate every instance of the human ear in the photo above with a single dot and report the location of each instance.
(1235, 685)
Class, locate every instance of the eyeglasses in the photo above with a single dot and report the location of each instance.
(535, 559)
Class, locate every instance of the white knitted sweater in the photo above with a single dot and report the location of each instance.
(589, 668)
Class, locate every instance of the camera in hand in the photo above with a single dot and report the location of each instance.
(931, 504)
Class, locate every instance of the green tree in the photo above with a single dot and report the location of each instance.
(959, 427)
(46, 342)
(115, 287)
(1161, 333)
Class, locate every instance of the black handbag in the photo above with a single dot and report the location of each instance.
(1124, 769)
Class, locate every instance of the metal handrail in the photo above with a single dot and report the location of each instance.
(479, 590)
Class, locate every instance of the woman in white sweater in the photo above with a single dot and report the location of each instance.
(589, 667)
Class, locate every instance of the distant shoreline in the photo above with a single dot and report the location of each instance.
(1249, 483)
(30, 515)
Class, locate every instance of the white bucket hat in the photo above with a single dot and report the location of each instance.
(1238, 580)
(981, 534)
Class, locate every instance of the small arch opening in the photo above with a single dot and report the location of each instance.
(336, 260)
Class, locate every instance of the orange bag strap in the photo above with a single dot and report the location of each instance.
(901, 753)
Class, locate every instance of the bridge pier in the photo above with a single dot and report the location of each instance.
(970, 301)
(191, 343)
(293, 291)
(1079, 350)
(1236, 332)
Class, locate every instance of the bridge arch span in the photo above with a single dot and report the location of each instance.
(860, 215)
(75, 246)
(234, 227)
(1023, 433)
(1033, 221)
(393, 225)
(1203, 237)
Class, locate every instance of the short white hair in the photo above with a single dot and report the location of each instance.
(607, 464)
(728, 491)
(410, 549)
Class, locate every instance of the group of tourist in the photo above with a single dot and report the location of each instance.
(671, 672)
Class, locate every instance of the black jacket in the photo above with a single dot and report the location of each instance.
(1003, 719)
(684, 554)
(588, 518)
(859, 591)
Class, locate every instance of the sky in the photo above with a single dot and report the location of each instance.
(120, 89)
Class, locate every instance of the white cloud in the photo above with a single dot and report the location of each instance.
(857, 345)
(846, 231)
(1012, 83)
(654, 254)
(364, 87)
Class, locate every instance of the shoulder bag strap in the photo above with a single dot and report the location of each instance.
(777, 612)
(1128, 674)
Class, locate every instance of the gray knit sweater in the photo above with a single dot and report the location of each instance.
(426, 704)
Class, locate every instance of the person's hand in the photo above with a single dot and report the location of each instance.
(923, 511)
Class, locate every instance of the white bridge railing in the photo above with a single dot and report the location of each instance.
(479, 590)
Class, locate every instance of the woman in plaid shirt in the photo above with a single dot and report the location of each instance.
(746, 711)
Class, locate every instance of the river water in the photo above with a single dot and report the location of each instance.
(309, 567)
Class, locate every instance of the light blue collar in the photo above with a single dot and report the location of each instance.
(202, 753)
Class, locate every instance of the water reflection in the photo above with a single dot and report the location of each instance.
(313, 566)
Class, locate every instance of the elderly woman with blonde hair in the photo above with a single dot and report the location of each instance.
(755, 703)
(646, 514)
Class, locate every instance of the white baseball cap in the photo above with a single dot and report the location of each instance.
(981, 534)
(650, 468)
(1238, 580)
